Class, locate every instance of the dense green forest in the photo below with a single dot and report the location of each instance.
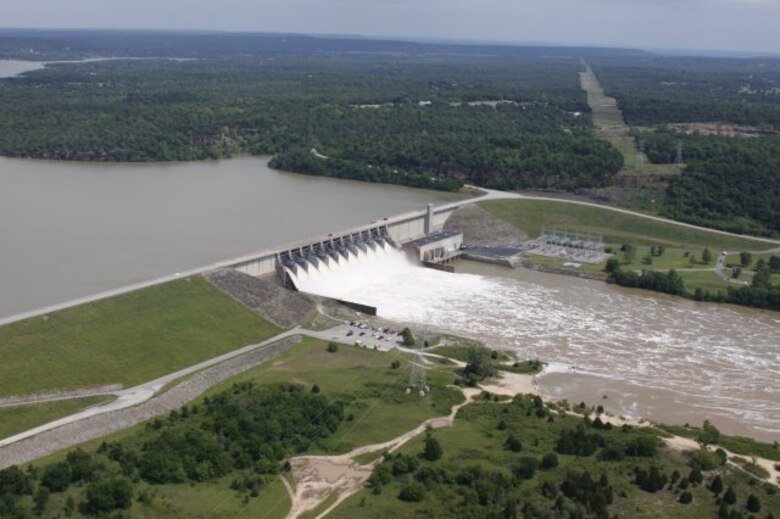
(731, 183)
(658, 90)
(50, 44)
(511, 118)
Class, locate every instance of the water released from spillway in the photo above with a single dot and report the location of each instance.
(653, 356)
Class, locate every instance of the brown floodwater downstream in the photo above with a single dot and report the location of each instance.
(652, 356)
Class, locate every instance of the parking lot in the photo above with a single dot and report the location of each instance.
(364, 334)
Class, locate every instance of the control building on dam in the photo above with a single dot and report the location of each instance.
(339, 246)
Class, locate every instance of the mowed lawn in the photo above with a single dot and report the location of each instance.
(532, 216)
(127, 340)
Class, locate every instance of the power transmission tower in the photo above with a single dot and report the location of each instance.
(418, 380)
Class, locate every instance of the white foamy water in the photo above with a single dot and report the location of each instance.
(656, 357)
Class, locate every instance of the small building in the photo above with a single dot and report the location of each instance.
(436, 247)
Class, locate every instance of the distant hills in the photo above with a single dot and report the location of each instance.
(41, 44)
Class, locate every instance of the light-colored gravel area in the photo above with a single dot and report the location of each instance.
(264, 295)
(93, 427)
(481, 228)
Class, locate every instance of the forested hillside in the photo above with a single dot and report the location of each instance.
(663, 90)
(427, 122)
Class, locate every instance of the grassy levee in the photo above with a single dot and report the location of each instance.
(127, 340)
(706, 280)
(532, 216)
(16, 419)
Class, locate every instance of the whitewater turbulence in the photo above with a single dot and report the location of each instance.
(358, 275)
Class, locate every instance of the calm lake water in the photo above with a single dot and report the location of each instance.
(72, 229)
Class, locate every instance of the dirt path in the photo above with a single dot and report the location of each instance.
(318, 477)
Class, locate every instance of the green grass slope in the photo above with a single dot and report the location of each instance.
(128, 339)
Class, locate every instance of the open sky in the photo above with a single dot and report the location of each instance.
(737, 25)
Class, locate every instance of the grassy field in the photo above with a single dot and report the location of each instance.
(532, 216)
(733, 259)
(210, 500)
(706, 280)
(374, 393)
(475, 440)
(16, 419)
(558, 263)
(128, 339)
(670, 259)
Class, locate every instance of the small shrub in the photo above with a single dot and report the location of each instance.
(549, 461)
(432, 450)
(705, 459)
(716, 487)
(525, 467)
(332, 347)
(685, 498)
(753, 504)
(412, 492)
(513, 443)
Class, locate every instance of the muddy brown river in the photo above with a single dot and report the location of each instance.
(638, 353)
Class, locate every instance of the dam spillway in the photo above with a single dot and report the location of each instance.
(316, 267)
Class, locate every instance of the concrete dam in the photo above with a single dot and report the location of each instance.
(351, 244)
